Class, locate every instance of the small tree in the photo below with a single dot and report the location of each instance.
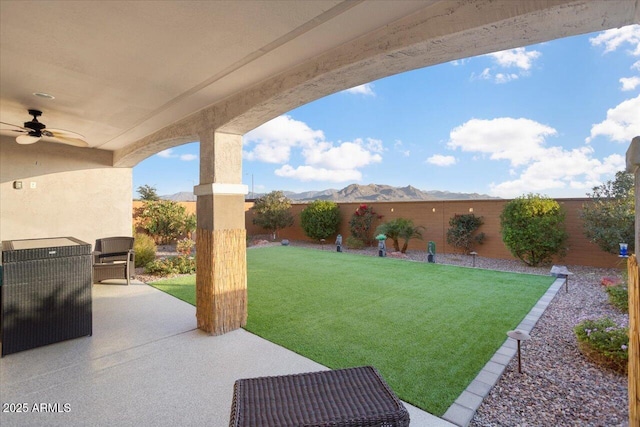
(165, 220)
(532, 228)
(361, 223)
(148, 193)
(320, 219)
(273, 212)
(462, 232)
(400, 228)
(609, 218)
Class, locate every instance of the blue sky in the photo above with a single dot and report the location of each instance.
(554, 118)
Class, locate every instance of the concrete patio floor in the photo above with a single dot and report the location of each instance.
(146, 364)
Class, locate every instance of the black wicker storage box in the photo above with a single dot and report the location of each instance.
(357, 397)
(45, 292)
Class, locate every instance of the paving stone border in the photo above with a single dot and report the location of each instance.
(462, 410)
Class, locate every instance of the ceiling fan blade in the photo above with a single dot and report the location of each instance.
(13, 128)
(65, 137)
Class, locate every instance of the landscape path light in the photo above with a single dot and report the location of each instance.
(473, 254)
(519, 335)
(382, 247)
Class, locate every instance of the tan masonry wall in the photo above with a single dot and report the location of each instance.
(435, 217)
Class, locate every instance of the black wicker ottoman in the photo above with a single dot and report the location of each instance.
(356, 397)
(45, 292)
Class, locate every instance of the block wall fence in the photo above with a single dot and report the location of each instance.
(434, 216)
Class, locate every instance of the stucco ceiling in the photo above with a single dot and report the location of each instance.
(123, 70)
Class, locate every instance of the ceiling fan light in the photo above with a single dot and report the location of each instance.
(27, 139)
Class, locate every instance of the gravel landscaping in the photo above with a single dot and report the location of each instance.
(558, 386)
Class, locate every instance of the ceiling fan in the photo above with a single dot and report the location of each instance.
(33, 131)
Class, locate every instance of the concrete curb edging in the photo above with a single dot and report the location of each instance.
(462, 410)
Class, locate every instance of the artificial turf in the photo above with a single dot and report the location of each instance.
(428, 328)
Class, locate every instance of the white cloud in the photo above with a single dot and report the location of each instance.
(636, 66)
(560, 169)
(616, 37)
(398, 146)
(457, 62)
(168, 154)
(518, 57)
(535, 167)
(505, 78)
(622, 123)
(310, 173)
(516, 140)
(365, 89)
(274, 139)
(630, 83)
(440, 160)
(274, 142)
(347, 155)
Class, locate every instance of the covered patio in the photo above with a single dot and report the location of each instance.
(146, 364)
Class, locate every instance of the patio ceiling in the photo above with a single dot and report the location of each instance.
(123, 71)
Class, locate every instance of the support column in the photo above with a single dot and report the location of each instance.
(221, 275)
(633, 166)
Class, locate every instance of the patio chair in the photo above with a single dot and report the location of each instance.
(113, 258)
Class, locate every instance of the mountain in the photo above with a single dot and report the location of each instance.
(359, 193)
(183, 196)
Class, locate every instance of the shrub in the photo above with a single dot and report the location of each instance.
(533, 230)
(320, 219)
(609, 219)
(273, 212)
(462, 232)
(173, 265)
(610, 281)
(361, 223)
(145, 249)
(185, 246)
(165, 220)
(619, 297)
(354, 243)
(604, 342)
(400, 228)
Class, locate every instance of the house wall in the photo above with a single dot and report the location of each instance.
(435, 217)
(77, 192)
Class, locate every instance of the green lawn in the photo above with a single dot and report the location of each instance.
(428, 328)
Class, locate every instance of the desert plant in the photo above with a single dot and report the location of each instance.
(320, 219)
(361, 223)
(144, 248)
(462, 233)
(165, 220)
(173, 265)
(619, 297)
(185, 246)
(533, 229)
(609, 218)
(273, 212)
(604, 342)
(400, 228)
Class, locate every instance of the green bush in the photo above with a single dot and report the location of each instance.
(320, 219)
(173, 265)
(165, 220)
(185, 246)
(361, 223)
(462, 232)
(533, 229)
(609, 218)
(145, 249)
(604, 342)
(400, 228)
(619, 297)
(272, 212)
(354, 243)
